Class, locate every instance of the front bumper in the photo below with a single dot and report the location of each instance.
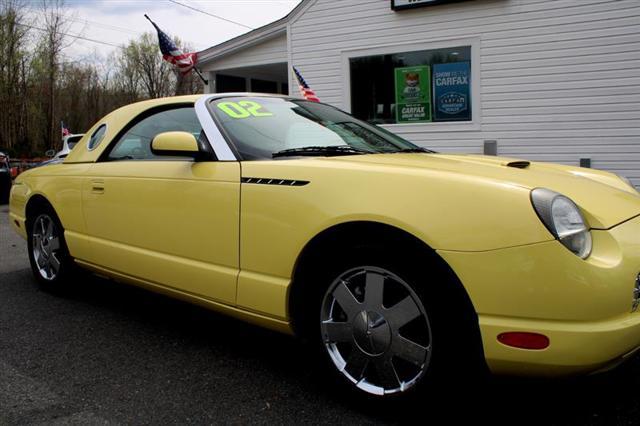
(583, 306)
(580, 347)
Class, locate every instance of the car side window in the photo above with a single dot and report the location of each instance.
(135, 143)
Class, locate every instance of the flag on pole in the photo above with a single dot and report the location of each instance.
(171, 53)
(65, 131)
(305, 90)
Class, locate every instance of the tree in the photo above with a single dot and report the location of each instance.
(38, 88)
(56, 25)
(13, 34)
(154, 74)
(125, 79)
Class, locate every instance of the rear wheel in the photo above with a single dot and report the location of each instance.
(51, 263)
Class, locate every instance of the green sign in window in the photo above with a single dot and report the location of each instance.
(413, 94)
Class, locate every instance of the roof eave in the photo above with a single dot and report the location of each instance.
(259, 35)
(252, 37)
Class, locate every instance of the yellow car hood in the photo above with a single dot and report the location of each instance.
(603, 197)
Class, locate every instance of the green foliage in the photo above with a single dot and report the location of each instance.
(38, 89)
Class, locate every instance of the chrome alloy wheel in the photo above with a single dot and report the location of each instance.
(45, 245)
(376, 330)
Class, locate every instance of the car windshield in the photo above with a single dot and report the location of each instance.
(263, 128)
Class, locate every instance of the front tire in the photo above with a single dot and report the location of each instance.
(376, 330)
(390, 323)
(51, 264)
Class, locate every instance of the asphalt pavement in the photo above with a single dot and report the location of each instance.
(115, 354)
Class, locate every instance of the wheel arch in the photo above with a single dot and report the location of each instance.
(371, 233)
(34, 204)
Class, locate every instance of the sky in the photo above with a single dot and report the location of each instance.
(115, 22)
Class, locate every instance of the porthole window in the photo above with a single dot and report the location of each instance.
(97, 137)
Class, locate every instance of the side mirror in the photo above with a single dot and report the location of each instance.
(176, 144)
(50, 153)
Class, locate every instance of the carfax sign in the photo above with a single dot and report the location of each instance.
(413, 94)
(451, 91)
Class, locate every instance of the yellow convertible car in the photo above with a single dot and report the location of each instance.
(404, 266)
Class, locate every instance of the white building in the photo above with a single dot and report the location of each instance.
(550, 80)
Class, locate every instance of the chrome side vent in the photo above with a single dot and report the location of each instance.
(519, 164)
(274, 181)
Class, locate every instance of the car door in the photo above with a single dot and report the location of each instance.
(168, 221)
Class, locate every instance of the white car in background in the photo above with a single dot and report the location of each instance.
(68, 142)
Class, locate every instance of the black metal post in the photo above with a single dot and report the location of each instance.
(204, 80)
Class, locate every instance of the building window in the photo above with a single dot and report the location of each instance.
(412, 87)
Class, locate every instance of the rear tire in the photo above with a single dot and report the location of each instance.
(51, 263)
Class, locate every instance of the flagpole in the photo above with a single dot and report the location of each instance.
(204, 80)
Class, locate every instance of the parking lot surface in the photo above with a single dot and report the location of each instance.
(114, 354)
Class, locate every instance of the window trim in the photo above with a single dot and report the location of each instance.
(389, 49)
(219, 144)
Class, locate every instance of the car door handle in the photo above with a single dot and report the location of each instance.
(97, 186)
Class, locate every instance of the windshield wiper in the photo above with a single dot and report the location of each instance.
(417, 149)
(326, 151)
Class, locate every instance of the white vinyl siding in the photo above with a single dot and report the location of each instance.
(271, 51)
(559, 79)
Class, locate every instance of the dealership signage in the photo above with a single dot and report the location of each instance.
(413, 94)
(409, 4)
(451, 91)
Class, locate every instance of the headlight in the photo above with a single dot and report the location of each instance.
(563, 219)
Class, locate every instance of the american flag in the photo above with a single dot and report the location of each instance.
(305, 90)
(65, 131)
(171, 53)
